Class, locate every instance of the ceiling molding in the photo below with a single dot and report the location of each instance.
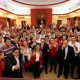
(40, 4)
(68, 12)
(14, 13)
(30, 14)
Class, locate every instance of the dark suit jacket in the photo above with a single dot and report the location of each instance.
(9, 63)
(15, 44)
(45, 50)
(70, 55)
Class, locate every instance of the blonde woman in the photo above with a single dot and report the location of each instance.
(37, 61)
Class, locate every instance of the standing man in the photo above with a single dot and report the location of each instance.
(45, 52)
(53, 55)
(66, 58)
(76, 47)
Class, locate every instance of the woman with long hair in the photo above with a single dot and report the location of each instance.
(26, 54)
(36, 61)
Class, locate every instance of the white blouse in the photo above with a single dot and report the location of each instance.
(27, 52)
(37, 56)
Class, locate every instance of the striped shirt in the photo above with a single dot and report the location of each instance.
(8, 49)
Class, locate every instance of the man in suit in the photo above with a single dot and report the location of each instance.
(66, 58)
(78, 76)
(13, 66)
(16, 42)
(45, 52)
(76, 46)
(79, 67)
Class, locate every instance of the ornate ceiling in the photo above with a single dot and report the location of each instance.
(23, 7)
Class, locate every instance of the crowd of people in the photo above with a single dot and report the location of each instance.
(37, 49)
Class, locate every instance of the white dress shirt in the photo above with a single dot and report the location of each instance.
(66, 52)
(17, 60)
(77, 45)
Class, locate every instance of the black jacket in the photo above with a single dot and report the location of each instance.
(45, 50)
(70, 55)
(9, 63)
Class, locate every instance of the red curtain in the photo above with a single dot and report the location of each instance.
(35, 12)
(12, 22)
(3, 22)
(68, 21)
(78, 21)
(71, 21)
